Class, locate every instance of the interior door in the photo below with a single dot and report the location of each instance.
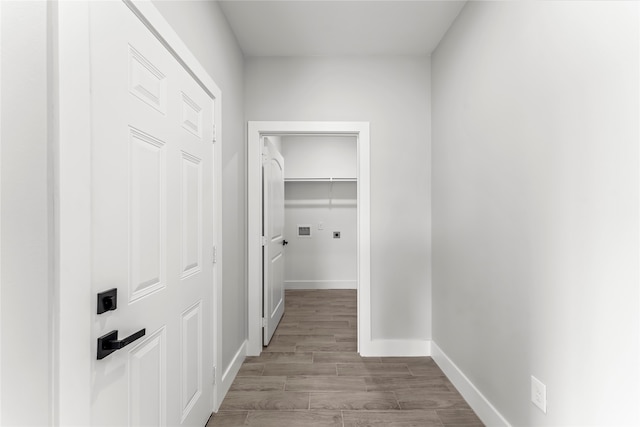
(273, 230)
(152, 228)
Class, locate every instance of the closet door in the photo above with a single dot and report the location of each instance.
(273, 231)
(152, 199)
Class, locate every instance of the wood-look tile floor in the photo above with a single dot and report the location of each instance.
(311, 375)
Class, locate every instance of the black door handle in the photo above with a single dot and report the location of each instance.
(109, 343)
(285, 243)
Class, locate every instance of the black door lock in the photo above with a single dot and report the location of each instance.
(107, 300)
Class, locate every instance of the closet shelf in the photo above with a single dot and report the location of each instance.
(330, 187)
(320, 179)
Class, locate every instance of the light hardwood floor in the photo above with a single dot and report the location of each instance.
(311, 375)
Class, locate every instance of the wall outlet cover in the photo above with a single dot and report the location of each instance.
(539, 394)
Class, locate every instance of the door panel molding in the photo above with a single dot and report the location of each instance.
(258, 129)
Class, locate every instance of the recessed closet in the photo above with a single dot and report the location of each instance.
(320, 211)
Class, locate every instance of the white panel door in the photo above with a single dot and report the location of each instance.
(273, 262)
(152, 227)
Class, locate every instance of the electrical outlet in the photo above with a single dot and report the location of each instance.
(539, 394)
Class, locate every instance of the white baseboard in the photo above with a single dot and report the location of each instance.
(395, 348)
(478, 402)
(230, 374)
(321, 284)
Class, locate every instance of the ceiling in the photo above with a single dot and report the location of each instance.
(339, 27)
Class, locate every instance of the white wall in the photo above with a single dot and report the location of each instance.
(320, 156)
(204, 29)
(393, 95)
(25, 334)
(320, 261)
(535, 207)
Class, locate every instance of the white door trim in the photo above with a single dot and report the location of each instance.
(1, 215)
(71, 123)
(257, 129)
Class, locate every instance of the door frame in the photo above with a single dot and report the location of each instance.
(70, 118)
(258, 129)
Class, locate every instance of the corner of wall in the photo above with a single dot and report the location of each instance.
(478, 402)
(227, 377)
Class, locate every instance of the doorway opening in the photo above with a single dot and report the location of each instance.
(358, 131)
(310, 219)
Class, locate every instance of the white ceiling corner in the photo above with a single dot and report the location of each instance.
(339, 27)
